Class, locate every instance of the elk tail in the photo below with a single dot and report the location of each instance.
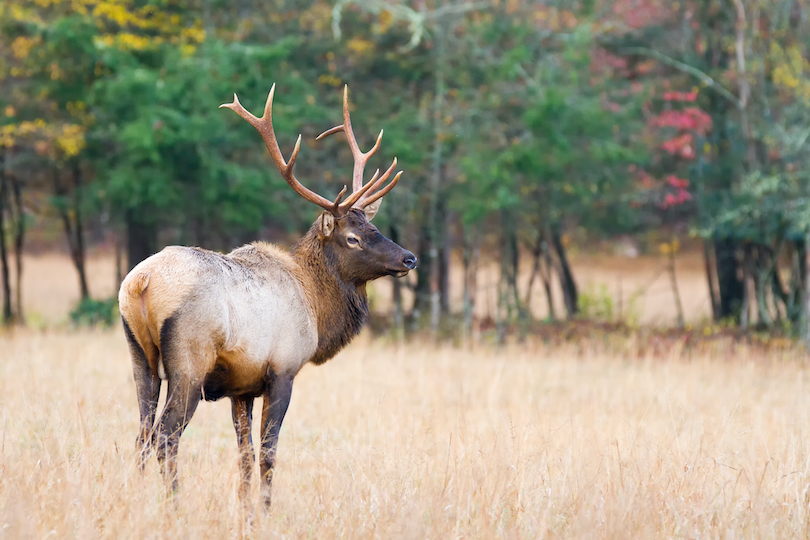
(132, 298)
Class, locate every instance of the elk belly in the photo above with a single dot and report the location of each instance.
(230, 379)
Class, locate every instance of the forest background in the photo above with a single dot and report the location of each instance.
(526, 130)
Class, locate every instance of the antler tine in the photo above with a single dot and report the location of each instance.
(264, 126)
(378, 183)
(329, 131)
(353, 198)
(360, 158)
(372, 186)
(384, 191)
(339, 198)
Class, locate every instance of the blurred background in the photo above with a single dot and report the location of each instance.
(627, 162)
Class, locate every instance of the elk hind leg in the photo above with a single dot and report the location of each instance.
(183, 398)
(185, 367)
(242, 412)
(147, 388)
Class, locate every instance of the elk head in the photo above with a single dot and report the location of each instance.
(358, 250)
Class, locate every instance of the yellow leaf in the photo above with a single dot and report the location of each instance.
(360, 45)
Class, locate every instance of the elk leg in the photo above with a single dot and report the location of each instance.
(182, 401)
(242, 412)
(276, 400)
(147, 388)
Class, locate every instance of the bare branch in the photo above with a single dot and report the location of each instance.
(686, 68)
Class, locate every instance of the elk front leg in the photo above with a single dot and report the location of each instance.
(242, 412)
(276, 400)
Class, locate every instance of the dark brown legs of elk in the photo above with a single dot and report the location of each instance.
(242, 412)
(180, 406)
(147, 388)
(148, 405)
(276, 400)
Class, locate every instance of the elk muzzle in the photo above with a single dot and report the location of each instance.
(408, 263)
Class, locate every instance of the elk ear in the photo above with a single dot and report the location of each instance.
(326, 224)
(371, 209)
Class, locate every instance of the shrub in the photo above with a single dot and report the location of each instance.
(90, 312)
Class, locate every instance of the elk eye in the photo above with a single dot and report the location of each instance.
(352, 240)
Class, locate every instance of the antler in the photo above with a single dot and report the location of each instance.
(264, 126)
(362, 194)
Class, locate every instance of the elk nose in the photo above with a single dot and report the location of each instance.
(409, 261)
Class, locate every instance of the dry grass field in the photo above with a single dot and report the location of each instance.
(420, 441)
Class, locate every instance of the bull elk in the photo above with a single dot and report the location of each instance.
(242, 325)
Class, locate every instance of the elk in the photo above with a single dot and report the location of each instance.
(242, 325)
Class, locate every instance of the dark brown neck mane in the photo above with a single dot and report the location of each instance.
(341, 308)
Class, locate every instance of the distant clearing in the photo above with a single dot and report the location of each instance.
(637, 287)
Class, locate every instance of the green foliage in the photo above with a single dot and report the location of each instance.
(502, 116)
(89, 312)
(174, 149)
(597, 304)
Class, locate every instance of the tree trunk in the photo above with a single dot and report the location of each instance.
(399, 313)
(744, 87)
(514, 272)
(746, 296)
(79, 258)
(762, 268)
(569, 286)
(547, 277)
(19, 239)
(729, 284)
(542, 265)
(537, 262)
(421, 300)
(725, 168)
(674, 281)
(800, 290)
(471, 255)
(444, 261)
(510, 261)
(119, 260)
(435, 186)
(806, 280)
(74, 228)
(8, 314)
(501, 309)
(141, 236)
(710, 266)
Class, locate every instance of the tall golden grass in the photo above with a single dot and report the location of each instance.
(422, 441)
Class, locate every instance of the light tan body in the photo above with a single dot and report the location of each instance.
(247, 310)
